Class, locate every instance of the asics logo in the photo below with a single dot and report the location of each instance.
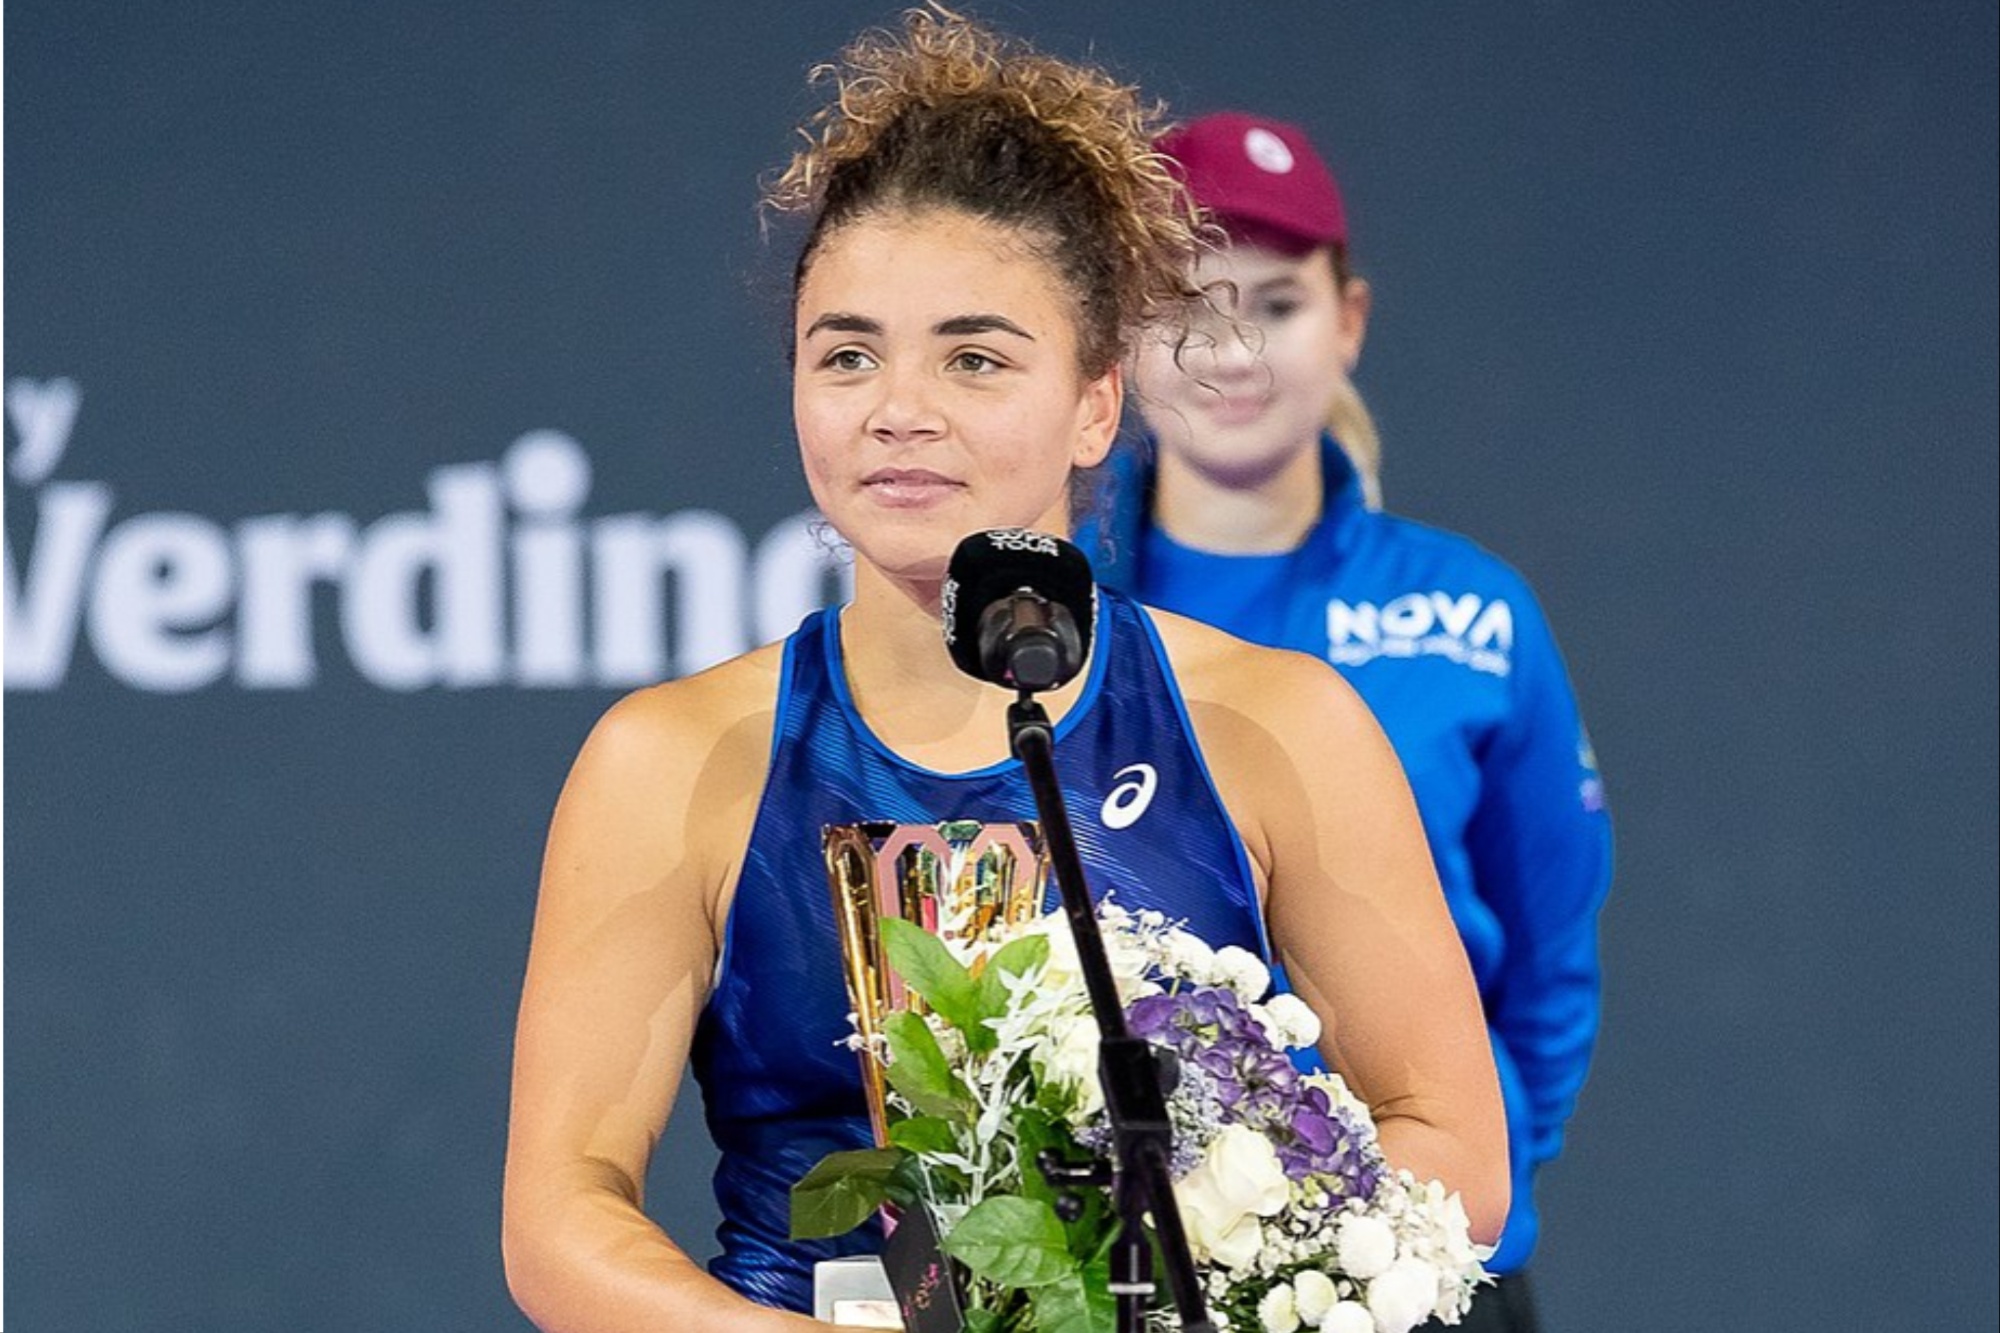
(1129, 799)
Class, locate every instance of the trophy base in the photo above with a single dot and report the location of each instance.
(854, 1292)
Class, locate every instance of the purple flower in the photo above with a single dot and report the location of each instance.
(1232, 1074)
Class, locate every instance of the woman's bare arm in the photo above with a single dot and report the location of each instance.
(634, 883)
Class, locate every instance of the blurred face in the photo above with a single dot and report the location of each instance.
(936, 388)
(1246, 397)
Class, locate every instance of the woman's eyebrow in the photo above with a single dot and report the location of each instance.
(960, 325)
(839, 321)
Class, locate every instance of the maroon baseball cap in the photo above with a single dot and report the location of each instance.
(1261, 178)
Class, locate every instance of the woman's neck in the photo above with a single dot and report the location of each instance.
(1235, 514)
(908, 690)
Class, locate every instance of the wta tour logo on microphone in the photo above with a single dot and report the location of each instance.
(498, 581)
(1024, 540)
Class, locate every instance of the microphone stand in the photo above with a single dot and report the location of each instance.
(1129, 1068)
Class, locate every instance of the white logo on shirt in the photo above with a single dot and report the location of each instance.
(1129, 799)
(1463, 629)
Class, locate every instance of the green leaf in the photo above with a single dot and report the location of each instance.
(918, 1069)
(905, 1186)
(1016, 957)
(923, 1134)
(842, 1192)
(928, 968)
(981, 1321)
(1035, 1130)
(1013, 1241)
(1074, 1304)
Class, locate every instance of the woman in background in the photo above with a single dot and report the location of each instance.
(1251, 505)
(987, 229)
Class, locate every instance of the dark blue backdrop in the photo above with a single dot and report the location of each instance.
(1688, 309)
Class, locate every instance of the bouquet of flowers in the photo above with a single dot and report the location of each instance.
(1291, 1212)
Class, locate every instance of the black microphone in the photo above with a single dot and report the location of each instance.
(1018, 608)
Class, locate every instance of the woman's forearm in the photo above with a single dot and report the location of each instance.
(588, 1260)
(1430, 1153)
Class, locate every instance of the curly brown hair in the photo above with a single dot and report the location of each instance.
(949, 114)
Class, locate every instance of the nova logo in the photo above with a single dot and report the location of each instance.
(1464, 629)
(496, 581)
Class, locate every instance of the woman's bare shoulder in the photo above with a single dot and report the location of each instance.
(1293, 694)
(699, 710)
(699, 743)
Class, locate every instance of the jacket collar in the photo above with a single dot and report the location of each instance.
(1115, 531)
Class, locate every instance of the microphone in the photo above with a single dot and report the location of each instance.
(1018, 608)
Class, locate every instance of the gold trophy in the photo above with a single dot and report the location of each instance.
(962, 880)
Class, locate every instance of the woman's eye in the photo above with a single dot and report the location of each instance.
(848, 360)
(977, 363)
(1274, 311)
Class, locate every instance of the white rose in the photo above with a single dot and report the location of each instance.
(1293, 1020)
(1247, 1171)
(1069, 1059)
(1278, 1311)
(1242, 971)
(1062, 972)
(1348, 1317)
(1237, 1180)
(1366, 1246)
(1315, 1295)
(1403, 1297)
(1215, 1231)
(1238, 1247)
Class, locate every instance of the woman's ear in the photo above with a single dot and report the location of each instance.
(1103, 401)
(1355, 300)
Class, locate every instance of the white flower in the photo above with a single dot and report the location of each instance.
(1292, 1020)
(1245, 1170)
(1242, 971)
(1278, 1311)
(1238, 1181)
(1068, 1058)
(1231, 1242)
(1190, 957)
(1062, 971)
(1366, 1246)
(1404, 1296)
(1315, 1295)
(1348, 1317)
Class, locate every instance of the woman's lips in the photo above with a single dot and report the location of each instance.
(1234, 410)
(909, 488)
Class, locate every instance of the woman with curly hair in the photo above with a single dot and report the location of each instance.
(987, 230)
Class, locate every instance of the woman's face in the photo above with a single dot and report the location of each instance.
(1246, 397)
(936, 388)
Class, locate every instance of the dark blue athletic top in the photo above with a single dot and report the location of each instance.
(781, 1089)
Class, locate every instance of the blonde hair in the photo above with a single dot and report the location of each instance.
(948, 114)
(1354, 428)
(1347, 417)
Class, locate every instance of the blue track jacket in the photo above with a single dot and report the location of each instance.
(1449, 647)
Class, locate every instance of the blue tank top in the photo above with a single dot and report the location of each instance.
(780, 1088)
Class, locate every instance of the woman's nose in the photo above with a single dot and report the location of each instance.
(1238, 348)
(907, 408)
